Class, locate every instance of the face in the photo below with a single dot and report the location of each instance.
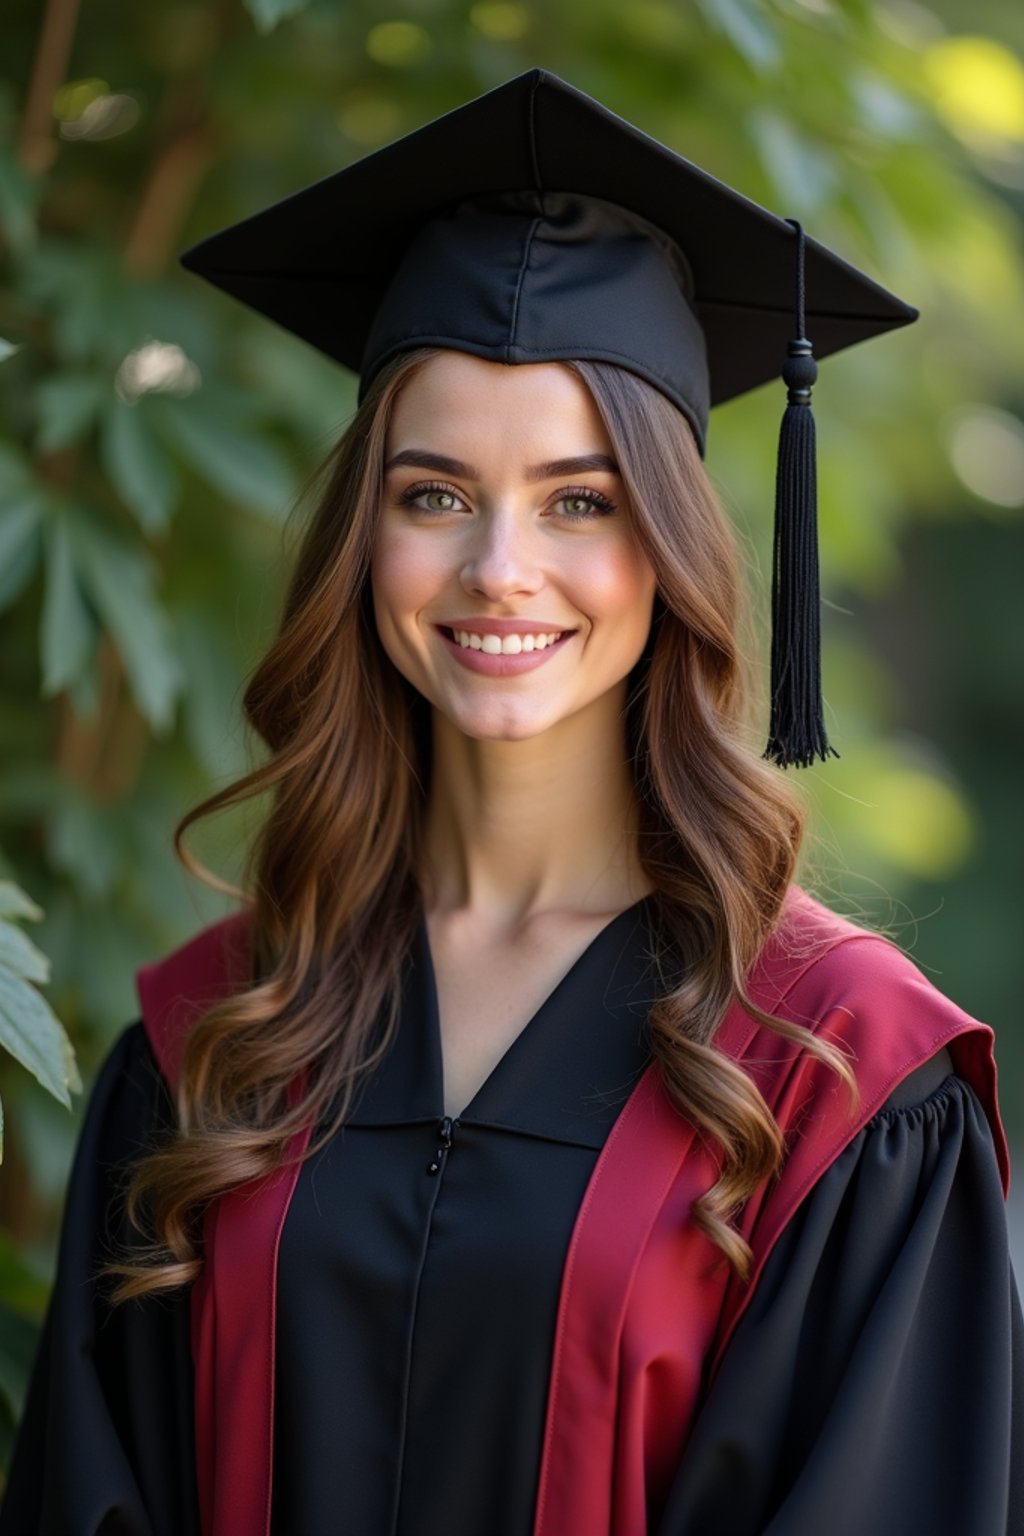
(508, 585)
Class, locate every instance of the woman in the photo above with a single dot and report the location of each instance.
(529, 1154)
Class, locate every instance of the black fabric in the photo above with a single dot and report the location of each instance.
(875, 1383)
(106, 1446)
(418, 1286)
(558, 281)
(522, 277)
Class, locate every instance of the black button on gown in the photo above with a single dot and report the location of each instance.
(876, 1382)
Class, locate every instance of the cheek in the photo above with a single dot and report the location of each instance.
(616, 583)
(401, 578)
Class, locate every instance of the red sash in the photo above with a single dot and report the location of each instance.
(647, 1305)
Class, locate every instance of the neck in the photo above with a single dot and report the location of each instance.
(515, 829)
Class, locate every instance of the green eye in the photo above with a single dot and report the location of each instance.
(578, 507)
(439, 501)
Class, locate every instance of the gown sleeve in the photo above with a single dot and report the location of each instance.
(105, 1446)
(876, 1381)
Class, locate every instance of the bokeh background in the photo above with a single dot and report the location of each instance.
(155, 436)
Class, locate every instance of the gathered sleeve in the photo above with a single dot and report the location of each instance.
(875, 1382)
(104, 1446)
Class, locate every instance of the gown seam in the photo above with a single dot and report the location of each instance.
(950, 1088)
(409, 1350)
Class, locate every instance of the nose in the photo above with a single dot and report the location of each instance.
(501, 561)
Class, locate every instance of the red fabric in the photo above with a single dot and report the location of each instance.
(648, 1305)
(234, 1301)
(234, 1316)
(176, 991)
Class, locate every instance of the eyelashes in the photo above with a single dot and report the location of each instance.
(596, 504)
(599, 505)
(412, 494)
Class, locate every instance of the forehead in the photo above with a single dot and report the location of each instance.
(454, 400)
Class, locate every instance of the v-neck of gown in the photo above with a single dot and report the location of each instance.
(533, 1086)
(421, 1259)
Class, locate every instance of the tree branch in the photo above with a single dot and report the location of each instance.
(166, 199)
(37, 146)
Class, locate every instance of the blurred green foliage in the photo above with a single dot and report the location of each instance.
(29, 1030)
(155, 437)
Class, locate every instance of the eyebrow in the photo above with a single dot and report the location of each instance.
(419, 458)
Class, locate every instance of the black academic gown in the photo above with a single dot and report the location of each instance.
(874, 1383)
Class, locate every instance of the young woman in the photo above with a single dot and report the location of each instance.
(528, 1154)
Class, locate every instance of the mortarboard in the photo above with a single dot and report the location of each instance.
(533, 225)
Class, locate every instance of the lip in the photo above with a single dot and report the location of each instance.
(503, 666)
(504, 626)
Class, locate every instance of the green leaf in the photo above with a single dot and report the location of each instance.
(84, 693)
(17, 477)
(119, 582)
(67, 404)
(18, 520)
(20, 546)
(238, 462)
(46, 1141)
(82, 285)
(8, 348)
(18, 195)
(68, 630)
(83, 844)
(137, 465)
(804, 175)
(211, 705)
(754, 40)
(15, 903)
(267, 13)
(34, 1036)
(21, 956)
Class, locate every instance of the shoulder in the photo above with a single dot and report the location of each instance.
(128, 1103)
(127, 1069)
(177, 989)
(819, 965)
(816, 960)
(914, 1053)
(861, 992)
(922, 1085)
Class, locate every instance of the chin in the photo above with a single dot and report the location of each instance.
(499, 725)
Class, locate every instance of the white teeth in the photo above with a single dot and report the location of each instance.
(504, 645)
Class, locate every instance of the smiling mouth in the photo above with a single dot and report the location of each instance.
(503, 645)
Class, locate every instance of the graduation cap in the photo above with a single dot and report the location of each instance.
(532, 225)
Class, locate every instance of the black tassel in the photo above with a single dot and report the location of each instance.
(797, 730)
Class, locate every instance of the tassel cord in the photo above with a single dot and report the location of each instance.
(797, 731)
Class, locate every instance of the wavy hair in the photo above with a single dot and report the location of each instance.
(331, 875)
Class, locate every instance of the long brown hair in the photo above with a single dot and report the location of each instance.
(332, 874)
